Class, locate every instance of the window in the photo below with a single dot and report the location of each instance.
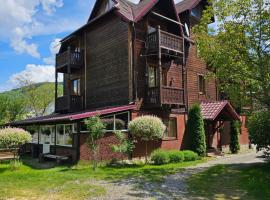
(33, 130)
(116, 122)
(171, 128)
(76, 87)
(197, 11)
(152, 76)
(151, 29)
(201, 85)
(64, 134)
(47, 135)
(187, 30)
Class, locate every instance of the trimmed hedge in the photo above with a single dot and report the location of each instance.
(176, 156)
(190, 155)
(161, 157)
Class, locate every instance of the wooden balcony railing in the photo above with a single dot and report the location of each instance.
(164, 40)
(165, 95)
(71, 103)
(69, 57)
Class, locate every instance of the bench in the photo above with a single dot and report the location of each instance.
(59, 159)
(6, 155)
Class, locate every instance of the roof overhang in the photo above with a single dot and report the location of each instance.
(71, 117)
(218, 110)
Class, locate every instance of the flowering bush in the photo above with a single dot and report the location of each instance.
(13, 138)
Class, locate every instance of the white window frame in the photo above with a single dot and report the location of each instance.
(73, 131)
(114, 124)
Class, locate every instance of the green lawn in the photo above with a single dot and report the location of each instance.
(32, 181)
(232, 182)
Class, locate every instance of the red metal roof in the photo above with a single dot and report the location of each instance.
(69, 117)
(211, 110)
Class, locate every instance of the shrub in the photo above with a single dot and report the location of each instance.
(176, 156)
(195, 126)
(234, 142)
(190, 155)
(13, 138)
(259, 126)
(147, 128)
(126, 144)
(96, 130)
(160, 157)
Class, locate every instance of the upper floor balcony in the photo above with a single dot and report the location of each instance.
(162, 40)
(165, 95)
(69, 103)
(69, 60)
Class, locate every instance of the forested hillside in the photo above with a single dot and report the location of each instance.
(28, 101)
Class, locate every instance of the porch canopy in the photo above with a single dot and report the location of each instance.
(71, 117)
(218, 111)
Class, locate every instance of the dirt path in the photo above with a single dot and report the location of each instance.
(174, 186)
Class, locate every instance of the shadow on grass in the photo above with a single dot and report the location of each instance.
(235, 181)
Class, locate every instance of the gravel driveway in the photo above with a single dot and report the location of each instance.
(174, 186)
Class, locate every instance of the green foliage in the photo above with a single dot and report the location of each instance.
(235, 131)
(11, 108)
(190, 155)
(195, 127)
(147, 128)
(176, 156)
(238, 49)
(96, 130)
(160, 157)
(259, 130)
(126, 144)
(13, 138)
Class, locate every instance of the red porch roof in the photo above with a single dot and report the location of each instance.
(212, 110)
(69, 117)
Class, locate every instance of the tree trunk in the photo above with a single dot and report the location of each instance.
(146, 153)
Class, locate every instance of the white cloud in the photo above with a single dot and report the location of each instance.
(18, 22)
(50, 5)
(32, 73)
(35, 74)
(54, 48)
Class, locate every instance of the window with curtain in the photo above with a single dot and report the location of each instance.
(171, 128)
(201, 84)
(76, 84)
(152, 76)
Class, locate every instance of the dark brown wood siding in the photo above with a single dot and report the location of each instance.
(107, 70)
(195, 67)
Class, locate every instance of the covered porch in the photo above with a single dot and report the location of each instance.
(60, 136)
(217, 117)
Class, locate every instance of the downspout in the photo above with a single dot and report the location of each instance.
(134, 71)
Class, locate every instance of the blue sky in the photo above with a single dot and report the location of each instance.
(30, 31)
(29, 35)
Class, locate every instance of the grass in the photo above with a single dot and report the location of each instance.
(34, 181)
(250, 182)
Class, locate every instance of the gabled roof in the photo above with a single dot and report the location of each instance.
(186, 5)
(128, 11)
(212, 110)
(70, 117)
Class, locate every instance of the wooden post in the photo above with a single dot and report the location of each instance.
(69, 79)
(159, 66)
(56, 88)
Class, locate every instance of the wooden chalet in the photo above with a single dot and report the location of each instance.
(129, 60)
